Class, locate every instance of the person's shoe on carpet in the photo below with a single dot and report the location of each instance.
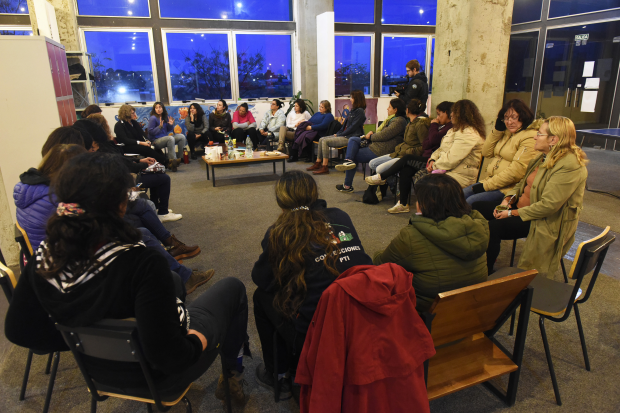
(343, 188)
(315, 166)
(169, 217)
(324, 170)
(179, 250)
(197, 279)
(265, 379)
(346, 166)
(375, 180)
(235, 384)
(399, 208)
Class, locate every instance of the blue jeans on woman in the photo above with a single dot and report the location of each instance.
(148, 218)
(357, 155)
(489, 196)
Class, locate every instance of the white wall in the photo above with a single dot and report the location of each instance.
(325, 44)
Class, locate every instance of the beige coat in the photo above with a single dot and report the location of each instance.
(508, 156)
(556, 200)
(460, 154)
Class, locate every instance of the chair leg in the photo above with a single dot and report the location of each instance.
(93, 404)
(50, 385)
(512, 324)
(564, 271)
(188, 405)
(512, 257)
(149, 408)
(582, 338)
(22, 393)
(554, 381)
(226, 386)
(49, 363)
(276, 382)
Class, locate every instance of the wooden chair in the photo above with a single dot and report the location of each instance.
(8, 283)
(25, 247)
(553, 300)
(463, 323)
(118, 340)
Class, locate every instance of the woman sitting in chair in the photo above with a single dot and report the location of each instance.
(545, 205)
(444, 244)
(93, 266)
(302, 255)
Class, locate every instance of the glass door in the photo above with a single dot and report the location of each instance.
(579, 73)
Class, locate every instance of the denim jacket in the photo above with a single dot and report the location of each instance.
(272, 123)
(354, 124)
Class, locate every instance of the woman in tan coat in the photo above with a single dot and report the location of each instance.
(545, 205)
(509, 148)
(461, 149)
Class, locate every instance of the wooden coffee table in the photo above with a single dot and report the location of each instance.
(256, 158)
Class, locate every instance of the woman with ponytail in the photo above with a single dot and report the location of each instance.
(304, 251)
(93, 266)
(545, 205)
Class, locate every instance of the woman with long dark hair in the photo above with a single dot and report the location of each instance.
(94, 266)
(304, 251)
(220, 122)
(129, 132)
(197, 127)
(353, 126)
(296, 116)
(161, 134)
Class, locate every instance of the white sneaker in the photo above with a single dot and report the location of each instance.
(169, 217)
(170, 211)
(399, 209)
(348, 165)
(375, 180)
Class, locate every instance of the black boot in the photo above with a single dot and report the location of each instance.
(193, 155)
(294, 157)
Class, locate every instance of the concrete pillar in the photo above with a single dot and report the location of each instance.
(307, 11)
(66, 20)
(471, 52)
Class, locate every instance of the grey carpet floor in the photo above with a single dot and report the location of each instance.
(229, 221)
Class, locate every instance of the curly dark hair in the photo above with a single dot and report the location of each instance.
(302, 105)
(164, 113)
(199, 111)
(465, 114)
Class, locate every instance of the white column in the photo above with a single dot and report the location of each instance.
(326, 59)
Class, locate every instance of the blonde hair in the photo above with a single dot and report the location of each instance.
(100, 120)
(564, 129)
(124, 112)
(327, 106)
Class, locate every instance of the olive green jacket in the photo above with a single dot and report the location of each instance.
(441, 255)
(508, 154)
(416, 133)
(556, 200)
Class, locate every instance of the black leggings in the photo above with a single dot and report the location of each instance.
(290, 341)
(242, 134)
(407, 166)
(159, 186)
(192, 140)
(510, 228)
(147, 152)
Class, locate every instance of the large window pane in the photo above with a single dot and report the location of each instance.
(122, 65)
(122, 8)
(264, 65)
(272, 10)
(419, 12)
(526, 11)
(13, 7)
(199, 65)
(354, 11)
(558, 8)
(352, 64)
(13, 32)
(397, 51)
(520, 67)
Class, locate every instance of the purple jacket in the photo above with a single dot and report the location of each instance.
(34, 206)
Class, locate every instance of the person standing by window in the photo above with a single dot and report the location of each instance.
(417, 88)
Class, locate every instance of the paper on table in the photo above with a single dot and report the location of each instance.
(592, 83)
(588, 101)
(588, 69)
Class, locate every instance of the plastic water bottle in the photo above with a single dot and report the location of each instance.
(248, 148)
(229, 142)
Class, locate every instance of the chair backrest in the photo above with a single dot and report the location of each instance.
(475, 309)
(7, 281)
(589, 257)
(108, 339)
(22, 238)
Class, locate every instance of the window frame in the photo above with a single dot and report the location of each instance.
(374, 16)
(82, 39)
(575, 15)
(17, 27)
(77, 13)
(429, 44)
(538, 59)
(293, 12)
(372, 56)
(542, 9)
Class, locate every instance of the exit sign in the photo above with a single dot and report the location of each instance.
(582, 37)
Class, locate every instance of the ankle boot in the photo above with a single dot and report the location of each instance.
(323, 171)
(293, 158)
(179, 250)
(317, 165)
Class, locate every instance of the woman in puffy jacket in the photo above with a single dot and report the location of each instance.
(35, 204)
(444, 244)
(509, 148)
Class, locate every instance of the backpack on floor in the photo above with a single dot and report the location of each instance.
(370, 195)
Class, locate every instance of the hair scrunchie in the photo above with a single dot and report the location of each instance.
(301, 207)
(68, 209)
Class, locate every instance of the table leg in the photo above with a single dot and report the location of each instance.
(213, 174)
(283, 166)
(274, 167)
(208, 172)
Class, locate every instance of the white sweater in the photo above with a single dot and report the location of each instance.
(293, 118)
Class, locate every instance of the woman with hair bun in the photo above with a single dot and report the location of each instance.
(272, 122)
(304, 251)
(545, 205)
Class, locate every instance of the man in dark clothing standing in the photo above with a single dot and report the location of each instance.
(417, 87)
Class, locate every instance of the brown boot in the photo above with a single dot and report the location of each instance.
(323, 171)
(197, 279)
(314, 167)
(179, 250)
(172, 165)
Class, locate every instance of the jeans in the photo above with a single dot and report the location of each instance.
(357, 155)
(159, 186)
(148, 218)
(382, 163)
(152, 242)
(170, 142)
(490, 196)
(510, 228)
(290, 341)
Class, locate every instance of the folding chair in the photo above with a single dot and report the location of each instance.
(553, 300)
(24, 245)
(117, 340)
(463, 323)
(8, 283)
